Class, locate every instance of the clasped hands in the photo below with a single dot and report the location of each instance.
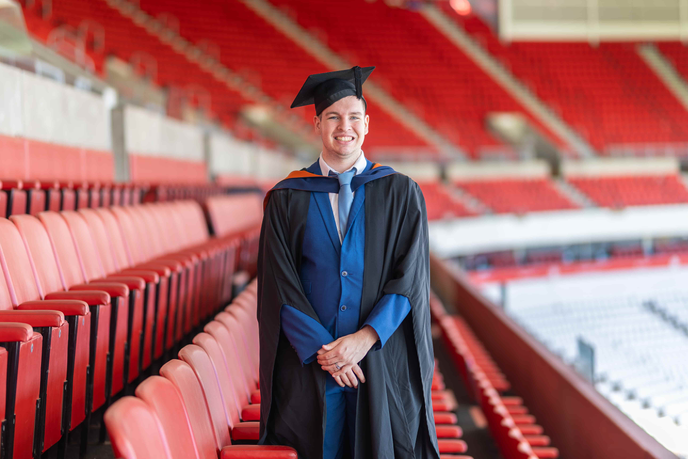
(340, 358)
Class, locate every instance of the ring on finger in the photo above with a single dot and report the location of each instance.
(337, 366)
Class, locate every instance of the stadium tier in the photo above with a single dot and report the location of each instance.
(633, 191)
(606, 93)
(518, 196)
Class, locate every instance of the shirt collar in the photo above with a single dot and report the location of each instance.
(360, 165)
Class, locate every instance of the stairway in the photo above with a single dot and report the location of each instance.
(665, 71)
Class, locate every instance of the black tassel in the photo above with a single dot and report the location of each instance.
(357, 77)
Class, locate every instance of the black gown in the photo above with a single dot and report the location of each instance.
(394, 417)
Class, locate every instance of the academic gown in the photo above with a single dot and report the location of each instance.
(394, 414)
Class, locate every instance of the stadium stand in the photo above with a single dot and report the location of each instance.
(590, 87)
(517, 196)
(446, 88)
(635, 190)
(441, 203)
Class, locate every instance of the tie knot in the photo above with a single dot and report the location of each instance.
(345, 177)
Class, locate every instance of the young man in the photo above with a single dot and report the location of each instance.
(346, 358)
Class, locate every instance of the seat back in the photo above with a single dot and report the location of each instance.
(203, 367)
(120, 249)
(167, 404)
(232, 362)
(85, 247)
(18, 266)
(130, 234)
(152, 246)
(212, 348)
(234, 329)
(64, 248)
(184, 379)
(134, 430)
(41, 253)
(101, 240)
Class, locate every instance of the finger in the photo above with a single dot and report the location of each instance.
(328, 359)
(346, 381)
(352, 378)
(338, 379)
(358, 372)
(332, 369)
(343, 369)
(330, 346)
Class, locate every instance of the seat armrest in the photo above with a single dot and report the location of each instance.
(166, 266)
(133, 282)
(250, 413)
(15, 332)
(91, 297)
(149, 276)
(114, 289)
(41, 318)
(246, 431)
(258, 452)
(72, 307)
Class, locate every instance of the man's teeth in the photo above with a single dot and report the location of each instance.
(345, 139)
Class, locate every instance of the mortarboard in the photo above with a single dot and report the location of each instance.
(324, 89)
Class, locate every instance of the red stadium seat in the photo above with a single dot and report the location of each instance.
(74, 226)
(26, 296)
(135, 432)
(74, 278)
(20, 363)
(205, 433)
(93, 334)
(198, 359)
(16, 197)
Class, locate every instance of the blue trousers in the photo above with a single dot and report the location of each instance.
(340, 425)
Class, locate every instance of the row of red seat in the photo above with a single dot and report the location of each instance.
(108, 291)
(31, 196)
(517, 195)
(515, 431)
(209, 399)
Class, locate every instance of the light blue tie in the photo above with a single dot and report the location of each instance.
(346, 197)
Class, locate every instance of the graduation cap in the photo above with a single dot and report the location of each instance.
(324, 89)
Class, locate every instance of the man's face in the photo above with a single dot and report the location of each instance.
(343, 127)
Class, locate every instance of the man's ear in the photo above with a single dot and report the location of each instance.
(316, 123)
(366, 121)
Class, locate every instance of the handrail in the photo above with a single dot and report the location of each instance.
(144, 64)
(169, 21)
(67, 41)
(210, 48)
(96, 30)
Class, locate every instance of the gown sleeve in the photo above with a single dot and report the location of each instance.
(305, 334)
(386, 317)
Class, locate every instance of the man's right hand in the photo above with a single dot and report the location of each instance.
(348, 375)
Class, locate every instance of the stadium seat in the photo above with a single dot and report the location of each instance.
(135, 432)
(16, 197)
(198, 359)
(26, 297)
(74, 277)
(141, 293)
(20, 364)
(201, 421)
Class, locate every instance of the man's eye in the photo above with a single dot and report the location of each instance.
(332, 118)
(355, 118)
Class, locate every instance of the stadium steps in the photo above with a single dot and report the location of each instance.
(310, 43)
(665, 71)
(506, 79)
(572, 193)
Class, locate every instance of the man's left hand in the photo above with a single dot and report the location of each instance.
(347, 350)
